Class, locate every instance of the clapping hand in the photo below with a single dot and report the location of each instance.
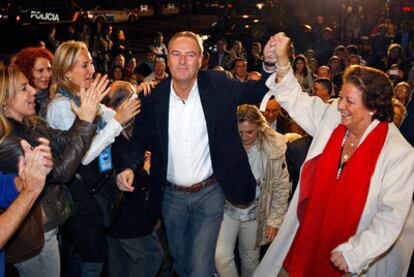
(34, 167)
(91, 97)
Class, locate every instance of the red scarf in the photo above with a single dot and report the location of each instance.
(329, 210)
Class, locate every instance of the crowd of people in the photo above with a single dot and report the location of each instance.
(301, 160)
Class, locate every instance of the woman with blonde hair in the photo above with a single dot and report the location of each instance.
(73, 70)
(17, 117)
(257, 223)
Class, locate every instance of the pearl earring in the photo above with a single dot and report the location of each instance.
(371, 113)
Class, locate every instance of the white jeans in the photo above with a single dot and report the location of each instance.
(248, 250)
(46, 263)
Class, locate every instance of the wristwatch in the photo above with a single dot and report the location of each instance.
(269, 63)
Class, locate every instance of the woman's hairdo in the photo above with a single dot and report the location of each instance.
(376, 88)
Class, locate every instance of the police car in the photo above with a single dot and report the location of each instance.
(111, 13)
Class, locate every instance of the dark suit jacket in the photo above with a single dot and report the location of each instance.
(220, 97)
(407, 126)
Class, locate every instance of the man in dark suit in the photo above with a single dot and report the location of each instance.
(222, 56)
(198, 161)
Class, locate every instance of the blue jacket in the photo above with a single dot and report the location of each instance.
(8, 193)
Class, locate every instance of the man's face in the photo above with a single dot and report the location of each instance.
(272, 111)
(184, 59)
(221, 45)
(150, 56)
(240, 69)
(320, 91)
(323, 72)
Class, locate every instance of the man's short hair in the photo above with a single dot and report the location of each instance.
(191, 35)
(326, 83)
(238, 60)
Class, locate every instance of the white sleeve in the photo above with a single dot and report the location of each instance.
(104, 137)
(394, 202)
(305, 110)
(59, 114)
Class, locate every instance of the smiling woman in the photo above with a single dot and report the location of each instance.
(35, 64)
(74, 85)
(358, 169)
(17, 117)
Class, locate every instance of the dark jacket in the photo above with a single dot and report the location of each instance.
(139, 212)
(407, 126)
(67, 147)
(220, 97)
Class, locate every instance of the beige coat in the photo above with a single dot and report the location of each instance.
(275, 188)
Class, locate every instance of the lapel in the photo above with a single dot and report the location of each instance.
(207, 101)
(161, 112)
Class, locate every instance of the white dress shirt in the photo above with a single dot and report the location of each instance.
(189, 160)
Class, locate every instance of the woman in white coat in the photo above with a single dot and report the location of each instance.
(352, 211)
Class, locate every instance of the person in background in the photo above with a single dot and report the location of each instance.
(51, 42)
(302, 73)
(255, 57)
(402, 91)
(147, 66)
(159, 73)
(36, 65)
(160, 48)
(222, 56)
(116, 74)
(133, 246)
(206, 60)
(322, 88)
(323, 72)
(254, 75)
(240, 69)
(359, 168)
(256, 223)
(399, 112)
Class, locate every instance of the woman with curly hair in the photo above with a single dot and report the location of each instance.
(36, 64)
(352, 210)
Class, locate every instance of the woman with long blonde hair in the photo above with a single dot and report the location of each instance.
(72, 71)
(17, 117)
(257, 223)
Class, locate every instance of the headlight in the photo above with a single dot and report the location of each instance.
(90, 16)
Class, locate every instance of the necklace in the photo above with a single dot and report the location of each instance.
(345, 156)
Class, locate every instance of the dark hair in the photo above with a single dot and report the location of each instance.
(10, 151)
(238, 60)
(149, 49)
(303, 58)
(376, 90)
(352, 49)
(326, 83)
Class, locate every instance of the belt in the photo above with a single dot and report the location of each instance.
(195, 187)
(241, 206)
